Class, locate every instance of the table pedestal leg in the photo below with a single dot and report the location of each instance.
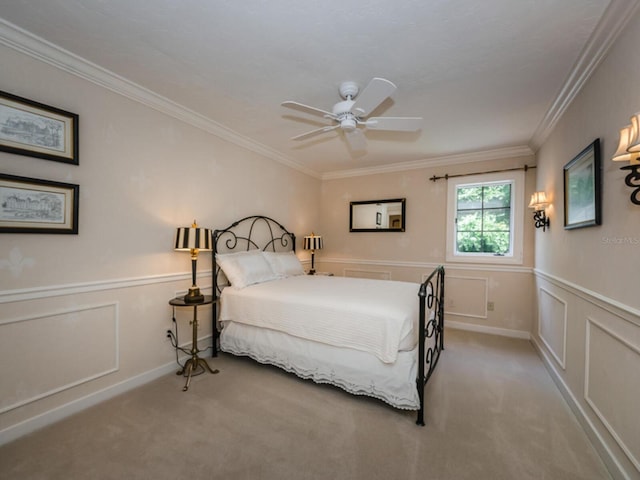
(192, 364)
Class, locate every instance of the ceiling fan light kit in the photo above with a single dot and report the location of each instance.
(350, 113)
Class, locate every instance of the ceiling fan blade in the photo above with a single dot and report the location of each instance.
(306, 108)
(398, 124)
(373, 95)
(315, 132)
(356, 140)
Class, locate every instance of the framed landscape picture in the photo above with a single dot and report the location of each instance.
(29, 205)
(583, 189)
(37, 130)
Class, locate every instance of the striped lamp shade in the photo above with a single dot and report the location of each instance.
(313, 242)
(194, 237)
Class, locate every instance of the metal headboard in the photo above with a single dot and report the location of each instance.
(256, 232)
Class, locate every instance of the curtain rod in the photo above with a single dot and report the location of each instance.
(446, 176)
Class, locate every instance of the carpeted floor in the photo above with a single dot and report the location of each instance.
(493, 412)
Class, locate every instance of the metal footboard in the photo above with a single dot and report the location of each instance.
(431, 325)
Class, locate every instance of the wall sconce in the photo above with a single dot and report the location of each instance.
(193, 240)
(312, 242)
(539, 203)
(629, 151)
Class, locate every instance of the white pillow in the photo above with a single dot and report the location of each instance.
(245, 268)
(284, 264)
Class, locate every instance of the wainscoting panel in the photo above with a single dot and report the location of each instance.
(376, 275)
(613, 365)
(552, 324)
(601, 377)
(41, 355)
(466, 296)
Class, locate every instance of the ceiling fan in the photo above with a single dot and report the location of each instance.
(351, 113)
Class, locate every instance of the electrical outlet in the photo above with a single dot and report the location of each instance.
(490, 306)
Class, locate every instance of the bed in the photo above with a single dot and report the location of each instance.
(377, 338)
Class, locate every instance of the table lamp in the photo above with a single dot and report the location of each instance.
(193, 239)
(312, 242)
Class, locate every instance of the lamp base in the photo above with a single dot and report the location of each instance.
(633, 180)
(312, 271)
(194, 296)
(541, 220)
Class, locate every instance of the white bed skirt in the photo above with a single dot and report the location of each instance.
(357, 372)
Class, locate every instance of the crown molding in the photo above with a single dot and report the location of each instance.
(606, 32)
(613, 21)
(471, 157)
(25, 42)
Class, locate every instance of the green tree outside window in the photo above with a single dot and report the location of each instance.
(483, 222)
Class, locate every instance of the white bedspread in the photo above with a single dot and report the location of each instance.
(356, 372)
(368, 315)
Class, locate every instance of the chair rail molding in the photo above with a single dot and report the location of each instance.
(24, 294)
(606, 303)
(425, 265)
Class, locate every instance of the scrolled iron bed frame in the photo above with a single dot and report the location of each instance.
(430, 293)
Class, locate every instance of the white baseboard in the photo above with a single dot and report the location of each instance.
(613, 466)
(47, 418)
(503, 332)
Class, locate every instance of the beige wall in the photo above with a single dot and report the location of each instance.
(81, 315)
(412, 254)
(588, 328)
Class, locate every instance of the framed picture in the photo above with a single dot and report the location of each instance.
(28, 205)
(378, 218)
(37, 130)
(583, 189)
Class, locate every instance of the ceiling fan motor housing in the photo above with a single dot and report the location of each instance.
(342, 111)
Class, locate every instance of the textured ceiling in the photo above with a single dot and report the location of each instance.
(482, 74)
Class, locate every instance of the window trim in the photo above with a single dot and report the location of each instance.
(516, 255)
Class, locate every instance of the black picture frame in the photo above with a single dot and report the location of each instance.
(378, 218)
(583, 189)
(37, 130)
(30, 205)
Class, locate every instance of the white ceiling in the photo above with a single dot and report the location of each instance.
(484, 75)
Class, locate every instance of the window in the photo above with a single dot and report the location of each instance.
(484, 218)
(483, 222)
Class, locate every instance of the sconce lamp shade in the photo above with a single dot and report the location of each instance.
(622, 154)
(538, 201)
(193, 239)
(313, 242)
(634, 135)
(629, 151)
